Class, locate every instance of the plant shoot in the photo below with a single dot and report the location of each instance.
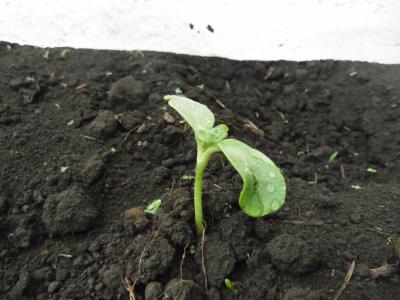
(264, 188)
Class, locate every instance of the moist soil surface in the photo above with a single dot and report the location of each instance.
(87, 142)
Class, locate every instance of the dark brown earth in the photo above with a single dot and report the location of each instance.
(86, 144)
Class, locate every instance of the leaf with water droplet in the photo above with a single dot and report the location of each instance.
(262, 194)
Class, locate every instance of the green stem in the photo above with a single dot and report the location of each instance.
(203, 156)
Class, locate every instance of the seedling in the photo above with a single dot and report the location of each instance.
(331, 159)
(188, 177)
(264, 188)
(46, 54)
(356, 187)
(372, 170)
(283, 118)
(231, 285)
(394, 241)
(200, 87)
(192, 249)
(63, 53)
(315, 181)
(153, 207)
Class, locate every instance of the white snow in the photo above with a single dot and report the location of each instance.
(367, 30)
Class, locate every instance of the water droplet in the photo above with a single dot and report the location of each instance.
(272, 174)
(270, 188)
(275, 205)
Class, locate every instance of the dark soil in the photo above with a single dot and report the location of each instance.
(87, 142)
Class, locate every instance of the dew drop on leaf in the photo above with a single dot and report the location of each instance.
(270, 188)
(275, 206)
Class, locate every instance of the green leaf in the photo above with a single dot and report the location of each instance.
(228, 283)
(197, 115)
(264, 187)
(332, 157)
(356, 187)
(153, 207)
(372, 170)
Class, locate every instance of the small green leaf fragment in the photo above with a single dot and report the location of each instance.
(178, 91)
(372, 170)
(46, 54)
(332, 157)
(356, 187)
(200, 87)
(153, 207)
(188, 177)
(354, 73)
(283, 118)
(192, 249)
(315, 181)
(394, 241)
(63, 53)
(230, 285)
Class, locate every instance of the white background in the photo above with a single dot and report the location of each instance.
(367, 30)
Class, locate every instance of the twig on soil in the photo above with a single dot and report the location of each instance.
(127, 283)
(82, 88)
(301, 222)
(138, 129)
(183, 260)
(342, 171)
(222, 105)
(164, 293)
(216, 185)
(128, 134)
(379, 231)
(90, 138)
(172, 187)
(181, 266)
(346, 280)
(253, 127)
(130, 288)
(203, 264)
(384, 271)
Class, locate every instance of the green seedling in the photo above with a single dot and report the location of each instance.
(394, 241)
(356, 187)
(188, 177)
(283, 118)
(231, 285)
(200, 87)
(63, 53)
(264, 187)
(153, 207)
(354, 73)
(46, 54)
(315, 181)
(372, 170)
(331, 159)
(192, 249)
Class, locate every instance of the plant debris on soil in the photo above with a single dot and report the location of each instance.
(87, 143)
